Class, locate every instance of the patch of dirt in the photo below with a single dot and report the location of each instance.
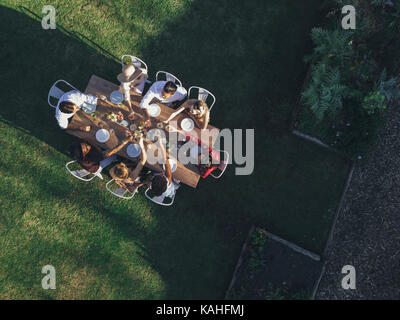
(271, 270)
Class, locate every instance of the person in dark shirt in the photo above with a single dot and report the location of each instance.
(90, 157)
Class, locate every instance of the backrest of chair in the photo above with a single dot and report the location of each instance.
(119, 191)
(56, 93)
(137, 63)
(159, 199)
(166, 76)
(79, 173)
(202, 94)
(223, 164)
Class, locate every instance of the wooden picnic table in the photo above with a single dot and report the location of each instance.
(187, 174)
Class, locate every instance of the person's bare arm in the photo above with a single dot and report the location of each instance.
(135, 173)
(168, 172)
(174, 114)
(147, 115)
(206, 120)
(129, 103)
(73, 126)
(118, 148)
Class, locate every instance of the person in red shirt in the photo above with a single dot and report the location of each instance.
(206, 166)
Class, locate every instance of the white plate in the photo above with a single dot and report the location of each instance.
(102, 135)
(133, 150)
(187, 124)
(172, 164)
(116, 97)
(124, 123)
(154, 110)
(89, 107)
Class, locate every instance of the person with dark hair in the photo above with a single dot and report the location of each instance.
(90, 157)
(69, 103)
(195, 109)
(131, 176)
(165, 92)
(161, 182)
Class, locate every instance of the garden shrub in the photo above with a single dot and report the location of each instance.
(349, 86)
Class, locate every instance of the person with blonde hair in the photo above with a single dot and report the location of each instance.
(130, 176)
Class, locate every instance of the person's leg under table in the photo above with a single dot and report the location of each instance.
(106, 162)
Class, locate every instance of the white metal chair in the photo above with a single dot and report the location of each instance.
(138, 63)
(82, 173)
(222, 166)
(169, 77)
(119, 191)
(170, 193)
(202, 94)
(56, 93)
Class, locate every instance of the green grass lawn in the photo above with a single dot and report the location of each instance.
(249, 54)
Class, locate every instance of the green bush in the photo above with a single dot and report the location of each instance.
(325, 92)
(331, 46)
(348, 92)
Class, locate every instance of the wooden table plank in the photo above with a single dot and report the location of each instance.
(187, 174)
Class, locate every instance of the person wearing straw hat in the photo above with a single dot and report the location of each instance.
(131, 77)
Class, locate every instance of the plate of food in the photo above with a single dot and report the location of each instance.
(133, 150)
(187, 124)
(154, 110)
(116, 97)
(102, 135)
(89, 107)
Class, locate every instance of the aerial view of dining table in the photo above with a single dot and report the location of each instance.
(187, 174)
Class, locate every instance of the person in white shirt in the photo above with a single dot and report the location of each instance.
(69, 103)
(165, 92)
(129, 78)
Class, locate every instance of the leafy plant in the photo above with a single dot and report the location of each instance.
(388, 88)
(331, 45)
(282, 293)
(258, 241)
(374, 101)
(386, 91)
(382, 3)
(275, 293)
(325, 92)
(127, 60)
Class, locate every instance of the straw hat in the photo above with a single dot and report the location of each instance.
(127, 74)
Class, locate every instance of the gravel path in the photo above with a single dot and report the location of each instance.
(367, 233)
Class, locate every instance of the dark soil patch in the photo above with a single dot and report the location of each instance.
(269, 269)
